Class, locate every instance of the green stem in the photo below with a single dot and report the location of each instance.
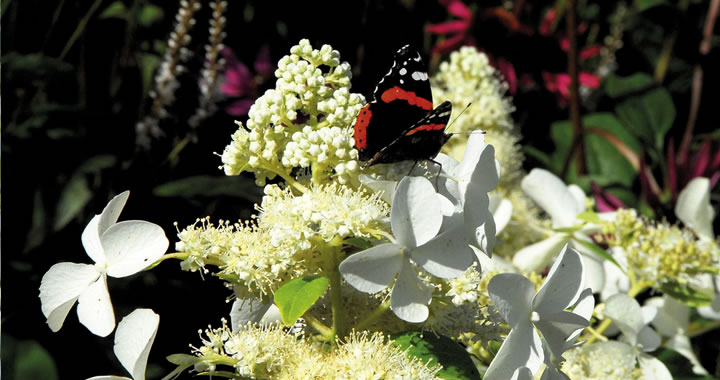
(336, 301)
(288, 179)
(373, 316)
(79, 29)
(326, 332)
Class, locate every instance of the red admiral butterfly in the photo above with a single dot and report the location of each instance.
(400, 123)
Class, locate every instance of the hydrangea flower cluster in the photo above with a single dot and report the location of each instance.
(659, 254)
(304, 122)
(284, 240)
(262, 353)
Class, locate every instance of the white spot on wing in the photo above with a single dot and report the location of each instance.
(419, 75)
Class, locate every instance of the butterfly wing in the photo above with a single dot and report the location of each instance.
(401, 98)
(422, 141)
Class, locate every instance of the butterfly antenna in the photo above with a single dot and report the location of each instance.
(458, 116)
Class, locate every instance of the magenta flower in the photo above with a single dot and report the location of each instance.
(458, 31)
(240, 84)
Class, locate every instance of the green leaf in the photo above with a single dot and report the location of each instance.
(34, 65)
(642, 5)
(358, 242)
(97, 163)
(601, 156)
(73, 199)
(686, 295)
(147, 63)
(26, 359)
(648, 117)
(432, 349)
(297, 296)
(598, 251)
(590, 216)
(115, 10)
(616, 86)
(150, 14)
(210, 186)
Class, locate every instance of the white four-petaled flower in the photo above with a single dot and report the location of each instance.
(118, 250)
(416, 221)
(514, 297)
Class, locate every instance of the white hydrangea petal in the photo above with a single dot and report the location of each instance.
(512, 295)
(446, 255)
(252, 310)
(134, 338)
(694, 209)
(522, 348)
(110, 377)
(672, 317)
(60, 288)
(501, 209)
(410, 296)
(387, 188)
(594, 268)
(584, 308)
(133, 245)
(95, 311)
(616, 281)
(485, 173)
(563, 284)
(91, 241)
(523, 373)
(648, 340)
(626, 314)
(551, 194)
(537, 256)
(652, 368)
(99, 224)
(447, 185)
(479, 222)
(578, 196)
(372, 270)
(416, 216)
(557, 327)
(486, 237)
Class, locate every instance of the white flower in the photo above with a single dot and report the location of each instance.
(633, 320)
(694, 209)
(416, 218)
(672, 321)
(468, 184)
(563, 204)
(133, 339)
(253, 310)
(514, 296)
(119, 250)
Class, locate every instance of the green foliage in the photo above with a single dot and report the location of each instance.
(26, 359)
(648, 116)
(686, 295)
(209, 186)
(431, 348)
(297, 296)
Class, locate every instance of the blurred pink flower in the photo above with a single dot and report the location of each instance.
(458, 30)
(240, 83)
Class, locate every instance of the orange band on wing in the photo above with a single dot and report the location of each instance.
(361, 124)
(397, 93)
(425, 127)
